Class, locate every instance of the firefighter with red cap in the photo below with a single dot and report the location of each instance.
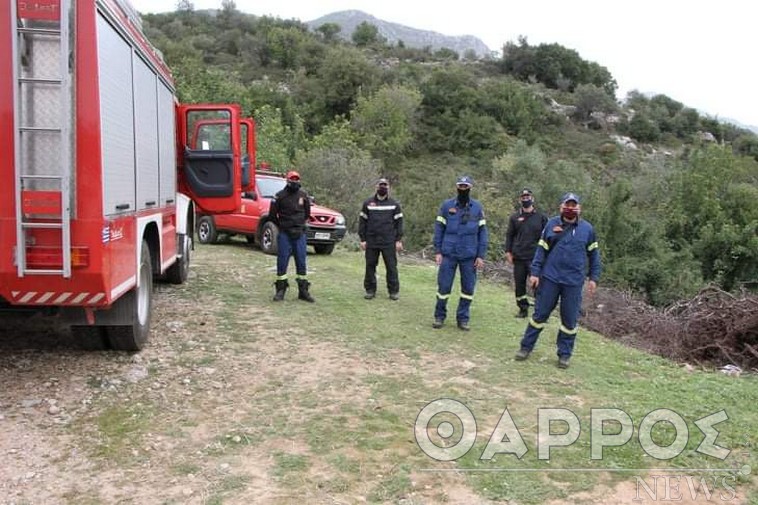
(290, 211)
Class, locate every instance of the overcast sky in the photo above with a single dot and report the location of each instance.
(699, 53)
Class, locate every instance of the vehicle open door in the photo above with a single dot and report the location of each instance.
(247, 127)
(210, 155)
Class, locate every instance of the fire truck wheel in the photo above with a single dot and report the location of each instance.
(179, 271)
(135, 308)
(206, 230)
(269, 235)
(90, 338)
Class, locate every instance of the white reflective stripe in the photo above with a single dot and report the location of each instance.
(27, 297)
(467, 297)
(80, 297)
(123, 287)
(382, 207)
(482, 222)
(96, 298)
(363, 215)
(398, 216)
(61, 298)
(443, 297)
(535, 324)
(168, 262)
(592, 246)
(568, 331)
(45, 297)
(441, 219)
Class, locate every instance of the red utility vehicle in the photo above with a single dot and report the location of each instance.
(325, 228)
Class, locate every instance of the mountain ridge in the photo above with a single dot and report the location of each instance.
(348, 20)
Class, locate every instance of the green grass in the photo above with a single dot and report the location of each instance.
(358, 440)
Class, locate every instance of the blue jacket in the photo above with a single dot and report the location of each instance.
(461, 231)
(563, 251)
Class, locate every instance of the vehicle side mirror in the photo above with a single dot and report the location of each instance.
(312, 199)
(251, 195)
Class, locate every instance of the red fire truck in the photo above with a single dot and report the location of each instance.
(102, 170)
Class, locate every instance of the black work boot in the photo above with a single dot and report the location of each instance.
(281, 288)
(302, 288)
(523, 312)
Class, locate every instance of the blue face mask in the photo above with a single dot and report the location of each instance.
(526, 203)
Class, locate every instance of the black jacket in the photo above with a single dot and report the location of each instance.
(524, 230)
(381, 222)
(290, 211)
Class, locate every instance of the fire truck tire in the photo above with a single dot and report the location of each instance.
(269, 235)
(179, 271)
(90, 338)
(136, 307)
(206, 230)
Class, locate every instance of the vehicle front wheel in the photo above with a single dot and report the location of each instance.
(323, 248)
(206, 230)
(269, 235)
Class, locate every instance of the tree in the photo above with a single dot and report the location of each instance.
(343, 74)
(385, 121)
(285, 46)
(340, 177)
(185, 6)
(329, 31)
(589, 99)
(365, 34)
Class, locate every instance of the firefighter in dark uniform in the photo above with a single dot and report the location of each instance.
(524, 230)
(380, 230)
(559, 269)
(290, 211)
(460, 242)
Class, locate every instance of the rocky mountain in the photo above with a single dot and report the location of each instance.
(394, 32)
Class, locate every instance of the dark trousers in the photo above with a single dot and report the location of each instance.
(520, 273)
(288, 246)
(445, 276)
(389, 255)
(547, 298)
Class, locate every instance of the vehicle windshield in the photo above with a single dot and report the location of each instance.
(268, 187)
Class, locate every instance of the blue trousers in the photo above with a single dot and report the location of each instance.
(287, 247)
(548, 293)
(445, 276)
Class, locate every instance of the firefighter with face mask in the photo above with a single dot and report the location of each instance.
(290, 211)
(524, 229)
(380, 229)
(559, 270)
(460, 242)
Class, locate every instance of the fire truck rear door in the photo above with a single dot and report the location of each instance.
(210, 165)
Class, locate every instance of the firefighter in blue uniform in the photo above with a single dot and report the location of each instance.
(460, 241)
(559, 269)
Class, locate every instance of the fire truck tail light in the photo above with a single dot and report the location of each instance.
(51, 257)
(80, 257)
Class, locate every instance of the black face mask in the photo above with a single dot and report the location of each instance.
(463, 195)
(381, 191)
(526, 203)
(293, 186)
